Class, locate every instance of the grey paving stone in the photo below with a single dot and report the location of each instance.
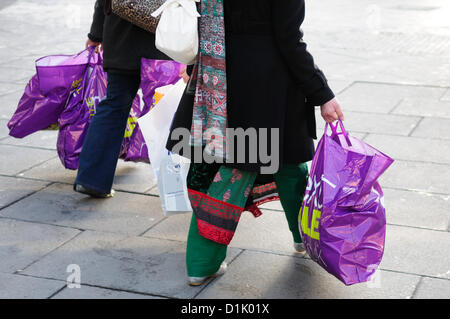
(446, 96)
(373, 123)
(425, 177)
(87, 292)
(134, 264)
(9, 103)
(14, 160)
(364, 97)
(10, 87)
(268, 232)
(423, 107)
(338, 85)
(255, 275)
(4, 131)
(417, 251)
(382, 98)
(41, 139)
(12, 189)
(431, 288)
(132, 177)
(23, 243)
(51, 171)
(16, 75)
(433, 128)
(59, 205)
(411, 148)
(24, 287)
(417, 209)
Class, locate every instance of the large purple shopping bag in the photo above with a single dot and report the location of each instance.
(47, 92)
(75, 119)
(154, 74)
(342, 219)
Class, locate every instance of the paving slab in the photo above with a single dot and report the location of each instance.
(14, 160)
(13, 189)
(4, 131)
(131, 177)
(433, 128)
(256, 275)
(58, 204)
(417, 209)
(417, 251)
(134, 264)
(9, 103)
(423, 107)
(16, 75)
(374, 123)
(446, 96)
(87, 292)
(269, 232)
(425, 177)
(24, 287)
(412, 148)
(339, 85)
(431, 288)
(10, 87)
(41, 139)
(23, 243)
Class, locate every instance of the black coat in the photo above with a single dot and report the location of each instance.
(272, 79)
(124, 44)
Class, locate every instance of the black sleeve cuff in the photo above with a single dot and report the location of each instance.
(320, 92)
(94, 38)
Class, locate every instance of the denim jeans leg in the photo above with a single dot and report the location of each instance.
(101, 148)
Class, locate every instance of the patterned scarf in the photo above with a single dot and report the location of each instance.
(209, 121)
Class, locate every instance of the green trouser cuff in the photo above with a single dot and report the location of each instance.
(203, 256)
(291, 183)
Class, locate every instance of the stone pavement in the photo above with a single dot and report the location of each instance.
(389, 62)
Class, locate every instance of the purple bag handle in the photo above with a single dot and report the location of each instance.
(334, 130)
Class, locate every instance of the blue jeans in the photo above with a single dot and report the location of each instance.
(101, 148)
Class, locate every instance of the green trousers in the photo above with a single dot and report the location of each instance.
(204, 256)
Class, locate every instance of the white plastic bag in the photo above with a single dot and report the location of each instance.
(177, 31)
(170, 170)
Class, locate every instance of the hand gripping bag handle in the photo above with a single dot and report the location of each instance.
(335, 132)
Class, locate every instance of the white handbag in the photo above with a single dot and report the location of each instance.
(177, 31)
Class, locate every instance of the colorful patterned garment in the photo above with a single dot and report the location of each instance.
(209, 121)
(219, 195)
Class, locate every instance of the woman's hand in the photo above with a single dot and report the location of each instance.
(185, 76)
(331, 111)
(98, 45)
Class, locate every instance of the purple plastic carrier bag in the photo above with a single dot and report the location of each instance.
(75, 119)
(342, 220)
(46, 94)
(154, 74)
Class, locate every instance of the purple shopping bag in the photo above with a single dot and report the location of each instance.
(342, 220)
(47, 92)
(154, 74)
(75, 119)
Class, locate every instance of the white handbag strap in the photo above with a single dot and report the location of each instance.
(186, 4)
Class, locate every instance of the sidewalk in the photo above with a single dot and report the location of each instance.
(388, 61)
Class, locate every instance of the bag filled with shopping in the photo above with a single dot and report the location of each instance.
(342, 219)
(154, 74)
(170, 170)
(46, 93)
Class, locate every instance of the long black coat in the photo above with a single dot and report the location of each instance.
(272, 79)
(124, 44)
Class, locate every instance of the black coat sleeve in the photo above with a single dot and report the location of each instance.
(96, 33)
(288, 16)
